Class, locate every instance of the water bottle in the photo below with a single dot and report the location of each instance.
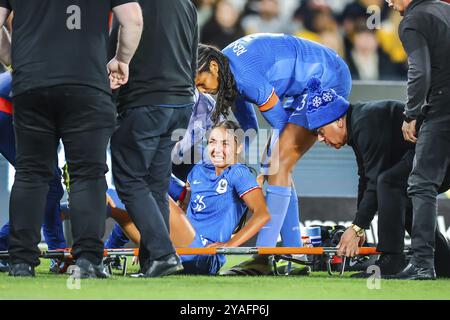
(315, 236)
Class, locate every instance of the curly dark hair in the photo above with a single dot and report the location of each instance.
(226, 94)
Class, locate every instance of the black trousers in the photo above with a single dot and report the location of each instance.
(84, 118)
(428, 174)
(395, 213)
(394, 205)
(141, 150)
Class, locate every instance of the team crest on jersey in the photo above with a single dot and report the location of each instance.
(222, 187)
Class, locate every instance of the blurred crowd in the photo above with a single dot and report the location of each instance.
(363, 32)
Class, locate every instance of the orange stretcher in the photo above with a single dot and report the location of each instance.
(284, 253)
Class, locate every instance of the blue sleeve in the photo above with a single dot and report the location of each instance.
(176, 188)
(245, 114)
(5, 85)
(260, 92)
(243, 180)
(277, 117)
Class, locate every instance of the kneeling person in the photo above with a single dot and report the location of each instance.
(373, 130)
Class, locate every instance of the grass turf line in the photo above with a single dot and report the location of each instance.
(317, 286)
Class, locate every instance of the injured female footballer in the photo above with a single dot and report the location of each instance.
(217, 196)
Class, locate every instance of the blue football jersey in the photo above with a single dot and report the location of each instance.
(215, 206)
(7, 139)
(264, 64)
(5, 92)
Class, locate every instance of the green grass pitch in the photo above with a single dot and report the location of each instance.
(317, 286)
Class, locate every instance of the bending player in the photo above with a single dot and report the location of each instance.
(272, 71)
(52, 227)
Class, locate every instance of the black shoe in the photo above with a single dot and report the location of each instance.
(165, 266)
(21, 270)
(257, 265)
(412, 272)
(4, 266)
(389, 264)
(87, 269)
(143, 267)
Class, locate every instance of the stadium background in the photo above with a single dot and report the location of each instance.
(325, 179)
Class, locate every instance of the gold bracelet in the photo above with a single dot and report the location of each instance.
(359, 231)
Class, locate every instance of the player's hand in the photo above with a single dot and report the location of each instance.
(409, 131)
(118, 73)
(349, 244)
(217, 245)
(135, 261)
(261, 179)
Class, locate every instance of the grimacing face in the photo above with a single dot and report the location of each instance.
(333, 134)
(208, 81)
(223, 148)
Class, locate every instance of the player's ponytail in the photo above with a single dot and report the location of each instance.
(227, 86)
